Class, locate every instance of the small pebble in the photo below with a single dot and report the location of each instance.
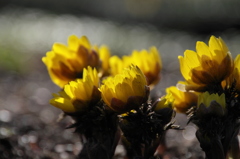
(77, 147)
(189, 132)
(120, 150)
(59, 148)
(5, 116)
(69, 147)
(32, 139)
(5, 132)
(22, 140)
(64, 155)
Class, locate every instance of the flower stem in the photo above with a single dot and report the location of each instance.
(211, 145)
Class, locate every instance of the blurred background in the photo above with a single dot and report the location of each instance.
(28, 29)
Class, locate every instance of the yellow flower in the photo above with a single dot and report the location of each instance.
(117, 65)
(165, 101)
(209, 65)
(78, 95)
(104, 56)
(234, 78)
(211, 103)
(148, 61)
(125, 91)
(182, 100)
(66, 63)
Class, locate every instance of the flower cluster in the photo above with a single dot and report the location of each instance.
(79, 69)
(210, 94)
(100, 92)
(109, 97)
